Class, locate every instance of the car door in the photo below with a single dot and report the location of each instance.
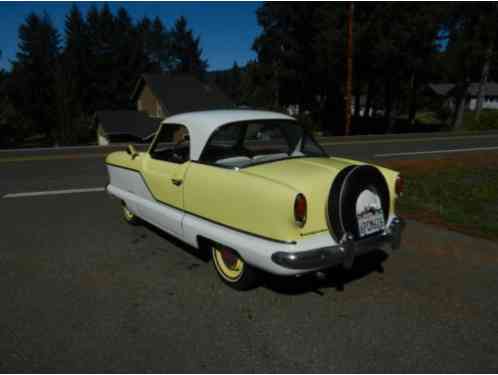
(163, 169)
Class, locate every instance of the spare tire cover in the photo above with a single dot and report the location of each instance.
(355, 191)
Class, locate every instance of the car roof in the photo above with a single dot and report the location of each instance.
(202, 124)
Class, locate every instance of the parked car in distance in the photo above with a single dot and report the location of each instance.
(259, 192)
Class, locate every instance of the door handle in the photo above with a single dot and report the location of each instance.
(176, 181)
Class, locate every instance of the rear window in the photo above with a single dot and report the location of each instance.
(253, 142)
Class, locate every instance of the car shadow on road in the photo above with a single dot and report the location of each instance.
(333, 278)
(199, 255)
(336, 277)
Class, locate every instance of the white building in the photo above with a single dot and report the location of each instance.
(490, 99)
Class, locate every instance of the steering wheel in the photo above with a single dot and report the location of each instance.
(179, 149)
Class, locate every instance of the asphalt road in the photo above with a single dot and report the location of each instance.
(72, 168)
(85, 292)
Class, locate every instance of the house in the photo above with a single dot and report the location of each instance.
(123, 126)
(157, 96)
(448, 90)
(162, 95)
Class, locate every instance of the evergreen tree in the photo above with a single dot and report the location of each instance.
(33, 72)
(287, 50)
(71, 77)
(92, 25)
(159, 46)
(472, 39)
(235, 82)
(302, 48)
(256, 85)
(103, 57)
(186, 50)
(124, 73)
(145, 47)
(102, 64)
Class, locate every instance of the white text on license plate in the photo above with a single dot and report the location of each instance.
(370, 223)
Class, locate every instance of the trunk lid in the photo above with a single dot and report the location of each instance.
(312, 177)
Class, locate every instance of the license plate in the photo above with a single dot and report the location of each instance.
(370, 223)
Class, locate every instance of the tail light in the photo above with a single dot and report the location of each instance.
(400, 185)
(300, 209)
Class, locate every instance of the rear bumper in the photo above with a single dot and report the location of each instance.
(342, 253)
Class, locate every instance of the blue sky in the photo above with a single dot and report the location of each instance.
(227, 29)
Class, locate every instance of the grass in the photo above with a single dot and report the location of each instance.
(458, 193)
(487, 121)
(427, 118)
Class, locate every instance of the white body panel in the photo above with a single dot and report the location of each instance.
(102, 141)
(130, 187)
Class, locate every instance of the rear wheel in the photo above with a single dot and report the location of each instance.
(129, 216)
(232, 269)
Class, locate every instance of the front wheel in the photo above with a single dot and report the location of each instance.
(129, 216)
(232, 269)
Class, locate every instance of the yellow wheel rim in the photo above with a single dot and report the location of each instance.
(127, 213)
(228, 263)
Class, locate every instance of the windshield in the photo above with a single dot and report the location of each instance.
(243, 144)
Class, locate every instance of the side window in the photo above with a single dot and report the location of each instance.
(172, 144)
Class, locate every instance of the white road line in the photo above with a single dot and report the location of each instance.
(53, 192)
(110, 147)
(437, 151)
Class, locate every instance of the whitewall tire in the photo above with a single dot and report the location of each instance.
(232, 269)
(129, 216)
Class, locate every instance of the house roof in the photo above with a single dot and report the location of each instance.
(183, 93)
(445, 89)
(127, 122)
(202, 124)
(441, 88)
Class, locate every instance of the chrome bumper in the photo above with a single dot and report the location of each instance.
(343, 253)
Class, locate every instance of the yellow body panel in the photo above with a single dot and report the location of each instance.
(159, 176)
(124, 160)
(312, 177)
(240, 200)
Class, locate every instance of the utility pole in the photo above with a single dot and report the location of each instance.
(349, 69)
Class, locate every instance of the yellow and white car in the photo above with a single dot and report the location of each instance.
(255, 189)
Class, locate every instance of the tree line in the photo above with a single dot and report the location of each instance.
(398, 49)
(57, 82)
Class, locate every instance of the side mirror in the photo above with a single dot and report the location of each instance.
(130, 150)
